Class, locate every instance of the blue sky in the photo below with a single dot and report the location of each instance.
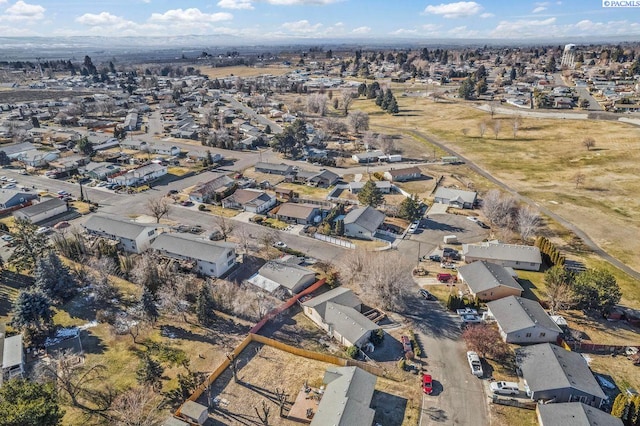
(261, 20)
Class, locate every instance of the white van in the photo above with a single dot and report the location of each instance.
(504, 388)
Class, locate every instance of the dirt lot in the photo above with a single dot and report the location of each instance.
(11, 96)
(262, 369)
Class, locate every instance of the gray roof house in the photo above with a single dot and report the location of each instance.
(10, 198)
(488, 281)
(297, 213)
(574, 414)
(508, 255)
(347, 398)
(251, 200)
(44, 210)
(213, 190)
(131, 236)
(456, 197)
(338, 313)
(383, 185)
(554, 374)
(403, 175)
(12, 353)
(523, 320)
(210, 258)
(273, 275)
(324, 179)
(362, 222)
(272, 168)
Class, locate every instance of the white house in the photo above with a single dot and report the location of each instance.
(12, 353)
(526, 258)
(523, 321)
(251, 200)
(211, 258)
(45, 209)
(363, 222)
(141, 175)
(131, 236)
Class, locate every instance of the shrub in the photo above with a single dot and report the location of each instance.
(352, 351)
(377, 336)
(402, 364)
(202, 207)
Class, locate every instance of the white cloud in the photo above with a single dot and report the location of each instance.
(459, 9)
(300, 2)
(404, 31)
(21, 11)
(102, 18)
(191, 15)
(235, 4)
(361, 30)
(146, 1)
(525, 28)
(301, 27)
(431, 27)
(539, 9)
(462, 32)
(487, 15)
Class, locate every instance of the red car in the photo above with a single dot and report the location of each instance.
(427, 384)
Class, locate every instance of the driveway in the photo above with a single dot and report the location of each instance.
(458, 397)
(433, 229)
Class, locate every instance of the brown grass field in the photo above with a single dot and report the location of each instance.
(242, 71)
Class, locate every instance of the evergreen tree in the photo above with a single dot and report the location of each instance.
(148, 306)
(149, 371)
(53, 278)
(267, 130)
(32, 311)
(410, 208)
(370, 195)
(29, 245)
(4, 159)
(393, 108)
(379, 98)
(466, 89)
(204, 305)
(29, 403)
(596, 289)
(386, 99)
(340, 227)
(373, 90)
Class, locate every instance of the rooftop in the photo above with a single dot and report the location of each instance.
(482, 276)
(191, 246)
(517, 313)
(117, 227)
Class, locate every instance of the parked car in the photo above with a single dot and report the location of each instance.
(446, 278)
(447, 265)
(3, 178)
(413, 228)
(424, 293)
(435, 258)
(472, 218)
(43, 230)
(504, 388)
(12, 180)
(62, 192)
(186, 203)
(466, 311)
(471, 319)
(427, 384)
(9, 186)
(7, 238)
(280, 245)
(482, 225)
(61, 225)
(475, 364)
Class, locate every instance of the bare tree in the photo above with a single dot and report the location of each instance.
(347, 100)
(359, 120)
(317, 104)
(558, 288)
(589, 143)
(515, 125)
(245, 238)
(482, 128)
(370, 140)
(492, 109)
(499, 209)
(233, 365)
(496, 127)
(579, 179)
(158, 208)
(138, 406)
(224, 225)
(264, 416)
(528, 221)
(282, 400)
(387, 144)
(335, 126)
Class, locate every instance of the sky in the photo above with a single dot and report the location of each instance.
(262, 20)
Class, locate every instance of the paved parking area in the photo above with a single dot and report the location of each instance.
(433, 229)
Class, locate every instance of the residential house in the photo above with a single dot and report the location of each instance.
(12, 198)
(526, 258)
(272, 168)
(42, 211)
(100, 171)
(324, 179)
(37, 158)
(12, 352)
(131, 236)
(136, 145)
(107, 144)
(523, 321)
(141, 175)
(574, 414)
(456, 197)
(346, 399)
(213, 190)
(210, 258)
(338, 313)
(554, 374)
(164, 149)
(15, 150)
(383, 185)
(363, 222)
(276, 274)
(173, 421)
(369, 157)
(251, 200)
(303, 214)
(403, 175)
(202, 155)
(488, 281)
(131, 120)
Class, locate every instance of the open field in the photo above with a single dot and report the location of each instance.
(542, 161)
(504, 415)
(242, 71)
(619, 368)
(262, 369)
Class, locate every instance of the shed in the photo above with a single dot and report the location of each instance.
(195, 412)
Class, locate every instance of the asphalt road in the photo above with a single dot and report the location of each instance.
(458, 397)
(275, 127)
(564, 222)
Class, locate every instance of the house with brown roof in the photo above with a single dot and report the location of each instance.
(303, 214)
(403, 175)
(251, 200)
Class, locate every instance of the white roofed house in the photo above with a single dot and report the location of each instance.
(131, 236)
(526, 258)
(210, 258)
(12, 353)
(456, 197)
